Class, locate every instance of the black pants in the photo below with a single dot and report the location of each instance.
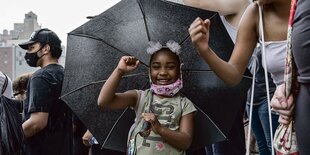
(302, 119)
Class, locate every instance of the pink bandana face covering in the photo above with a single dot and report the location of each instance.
(167, 90)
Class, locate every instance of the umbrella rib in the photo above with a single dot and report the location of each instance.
(96, 82)
(144, 19)
(189, 35)
(213, 16)
(211, 121)
(99, 39)
(108, 136)
(145, 85)
(85, 35)
(184, 39)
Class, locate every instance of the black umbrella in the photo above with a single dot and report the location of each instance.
(95, 48)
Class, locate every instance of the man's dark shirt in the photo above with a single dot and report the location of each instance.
(43, 93)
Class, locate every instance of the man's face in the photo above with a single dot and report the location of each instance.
(38, 50)
(33, 48)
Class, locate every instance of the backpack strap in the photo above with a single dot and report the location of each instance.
(5, 84)
(141, 100)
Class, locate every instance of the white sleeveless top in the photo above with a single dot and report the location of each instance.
(232, 31)
(275, 59)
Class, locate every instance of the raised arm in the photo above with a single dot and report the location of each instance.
(108, 97)
(231, 72)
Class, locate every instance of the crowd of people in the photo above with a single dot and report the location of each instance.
(259, 30)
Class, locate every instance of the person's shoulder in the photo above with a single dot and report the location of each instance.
(253, 7)
(53, 68)
(140, 91)
(250, 18)
(53, 71)
(38, 73)
(185, 98)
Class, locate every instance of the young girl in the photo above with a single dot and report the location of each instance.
(169, 114)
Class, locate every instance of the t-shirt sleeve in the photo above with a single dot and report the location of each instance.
(188, 106)
(139, 92)
(41, 96)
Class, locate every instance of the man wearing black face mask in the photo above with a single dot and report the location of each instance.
(47, 119)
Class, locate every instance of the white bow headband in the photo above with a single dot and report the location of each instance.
(156, 46)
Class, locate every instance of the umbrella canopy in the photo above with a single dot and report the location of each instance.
(94, 49)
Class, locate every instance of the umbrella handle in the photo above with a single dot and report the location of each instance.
(144, 132)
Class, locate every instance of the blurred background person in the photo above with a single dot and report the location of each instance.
(20, 86)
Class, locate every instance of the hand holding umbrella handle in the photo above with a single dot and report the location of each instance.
(144, 132)
(146, 126)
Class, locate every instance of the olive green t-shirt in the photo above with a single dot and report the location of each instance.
(168, 112)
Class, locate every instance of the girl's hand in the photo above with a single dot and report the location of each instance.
(127, 64)
(199, 32)
(155, 124)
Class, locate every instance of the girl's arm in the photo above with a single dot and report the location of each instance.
(108, 97)
(231, 72)
(181, 139)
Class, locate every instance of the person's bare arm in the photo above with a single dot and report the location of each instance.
(36, 123)
(108, 97)
(231, 72)
(223, 7)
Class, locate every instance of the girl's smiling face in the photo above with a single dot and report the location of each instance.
(165, 67)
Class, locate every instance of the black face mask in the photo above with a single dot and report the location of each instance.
(33, 58)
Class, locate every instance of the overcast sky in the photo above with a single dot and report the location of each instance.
(61, 16)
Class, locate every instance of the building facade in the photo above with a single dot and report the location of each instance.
(12, 60)
(7, 60)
